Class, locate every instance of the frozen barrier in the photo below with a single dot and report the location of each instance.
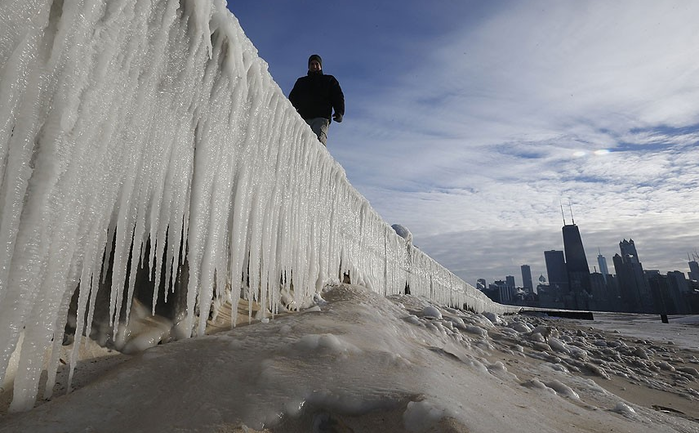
(149, 134)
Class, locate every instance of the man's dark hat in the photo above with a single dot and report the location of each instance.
(315, 57)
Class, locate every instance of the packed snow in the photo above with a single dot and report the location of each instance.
(359, 361)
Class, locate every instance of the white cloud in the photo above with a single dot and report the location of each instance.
(543, 68)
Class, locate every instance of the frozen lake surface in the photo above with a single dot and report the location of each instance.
(682, 330)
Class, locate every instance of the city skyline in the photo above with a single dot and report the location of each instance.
(572, 285)
(540, 268)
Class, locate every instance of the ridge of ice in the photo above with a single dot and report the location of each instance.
(146, 140)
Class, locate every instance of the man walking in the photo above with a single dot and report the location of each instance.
(315, 96)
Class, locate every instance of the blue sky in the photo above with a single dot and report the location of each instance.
(470, 122)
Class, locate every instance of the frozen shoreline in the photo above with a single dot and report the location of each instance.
(682, 330)
(370, 363)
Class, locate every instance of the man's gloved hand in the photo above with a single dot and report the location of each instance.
(337, 117)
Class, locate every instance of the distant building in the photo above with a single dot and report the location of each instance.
(557, 273)
(603, 269)
(501, 291)
(693, 270)
(548, 296)
(598, 285)
(578, 270)
(679, 281)
(510, 281)
(613, 293)
(667, 292)
(527, 282)
(628, 291)
(633, 286)
(480, 284)
(628, 251)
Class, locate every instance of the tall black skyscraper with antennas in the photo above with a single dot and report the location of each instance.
(578, 269)
(579, 288)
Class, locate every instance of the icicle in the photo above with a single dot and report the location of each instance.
(140, 123)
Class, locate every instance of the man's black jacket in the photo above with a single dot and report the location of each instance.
(316, 95)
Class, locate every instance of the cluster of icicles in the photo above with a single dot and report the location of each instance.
(150, 135)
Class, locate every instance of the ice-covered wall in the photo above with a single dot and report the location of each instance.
(128, 123)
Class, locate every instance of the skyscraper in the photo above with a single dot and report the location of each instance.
(693, 269)
(633, 285)
(603, 269)
(557, 273)
(527, 283)
(628, 251)
(578, 269)
(678, 286)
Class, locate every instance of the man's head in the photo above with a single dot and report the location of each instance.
(315, 63)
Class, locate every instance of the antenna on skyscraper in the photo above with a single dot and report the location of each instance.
(571, 212)
(563, 214)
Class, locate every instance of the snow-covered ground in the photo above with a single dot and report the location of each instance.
(361, 362)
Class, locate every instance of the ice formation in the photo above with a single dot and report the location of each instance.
(403, 232)
(149, 135)
(363, 362)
